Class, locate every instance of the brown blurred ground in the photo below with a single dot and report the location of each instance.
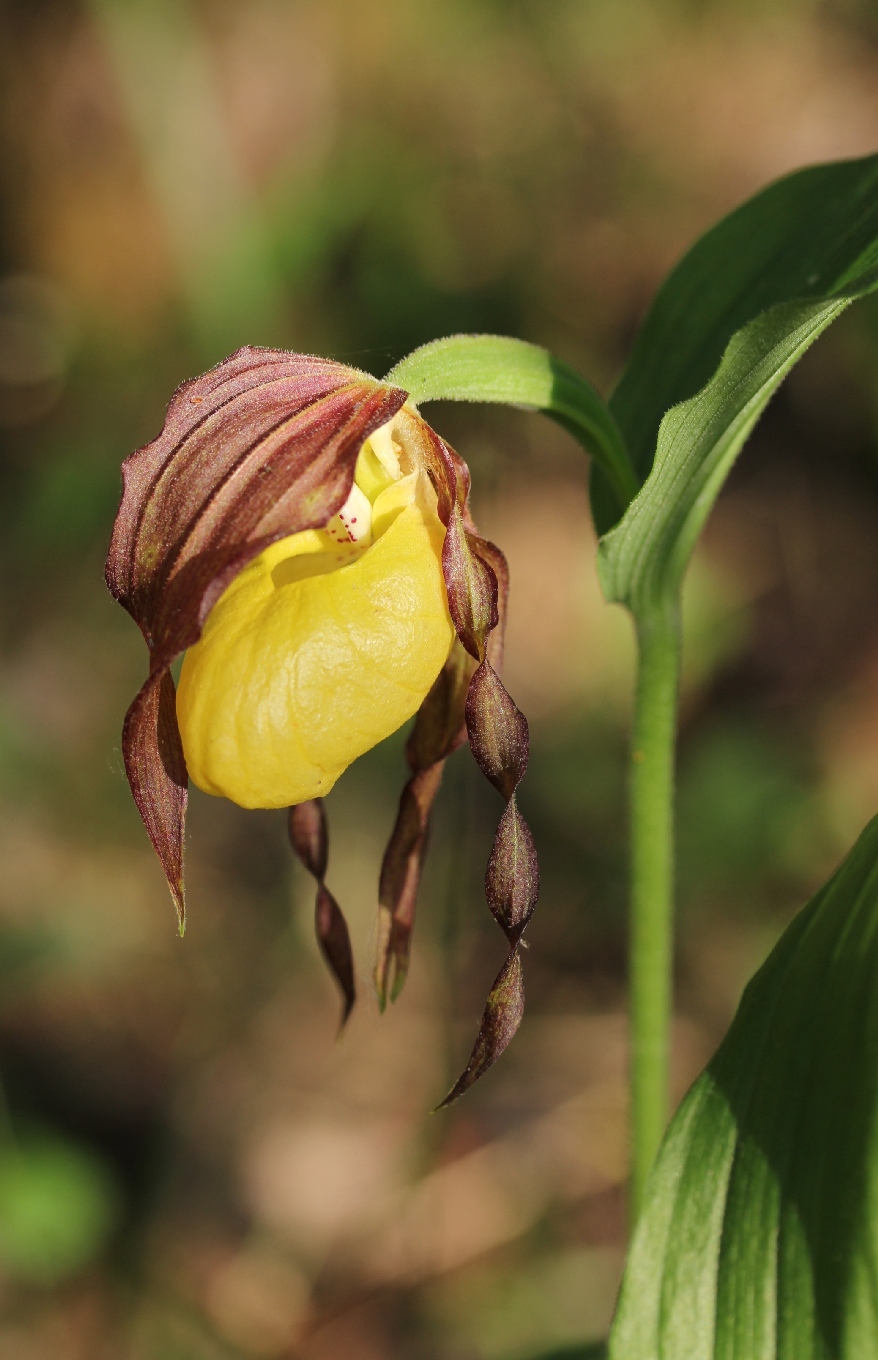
(178, 178)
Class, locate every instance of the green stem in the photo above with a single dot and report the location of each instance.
(652, 871)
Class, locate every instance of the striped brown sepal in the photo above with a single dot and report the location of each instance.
(309, 839)
(260, 447)
(439, 729)
(156, 771)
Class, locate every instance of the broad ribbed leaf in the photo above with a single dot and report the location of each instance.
(642, 561)
(743, 306)
(496, 368)
(759, 1237)
(796, 240)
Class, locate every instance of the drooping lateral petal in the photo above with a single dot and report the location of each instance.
(512, 881)
(441, 722)
(491, 554)
(306, 824)
(498, 730)
(439, 729)
(476, 580)
(399, 882)
(334, 939)
(259, 448)
(499, 740)
(471, 586)
(479, 612)
(308, 836)
(502, 1016)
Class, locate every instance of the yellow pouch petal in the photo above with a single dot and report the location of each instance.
(304, 664)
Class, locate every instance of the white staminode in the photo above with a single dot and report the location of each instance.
(353, 523)
(386, 451)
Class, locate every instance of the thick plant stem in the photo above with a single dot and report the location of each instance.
(652, 874)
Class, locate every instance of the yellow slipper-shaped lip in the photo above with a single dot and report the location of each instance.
(322, 647)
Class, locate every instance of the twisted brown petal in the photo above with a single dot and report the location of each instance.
(439, 729)
(498, 737)
(498, 731)
(308, 837)
(512, 881)
(502, 1016)
(497, 562)
(306, 824)
(476, 579)
(477, 585)
(471, 586)
(260, 447)
(400, 880)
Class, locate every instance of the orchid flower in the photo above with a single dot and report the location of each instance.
(304, 537)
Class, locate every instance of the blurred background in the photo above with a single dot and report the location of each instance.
(192, 1166)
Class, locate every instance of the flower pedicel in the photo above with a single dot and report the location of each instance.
(304, 537)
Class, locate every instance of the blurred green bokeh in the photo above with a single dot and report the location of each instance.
(57, 1207)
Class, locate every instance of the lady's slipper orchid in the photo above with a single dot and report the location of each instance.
(304, 537)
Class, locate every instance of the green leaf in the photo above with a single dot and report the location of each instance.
(798, 239)
(496, 368)
(759, 1236)
(731, 320)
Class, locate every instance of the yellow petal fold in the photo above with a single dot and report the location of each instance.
(316, 652)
